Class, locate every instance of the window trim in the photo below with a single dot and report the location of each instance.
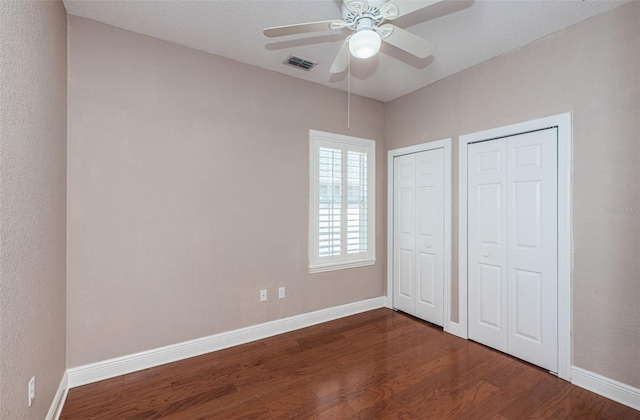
(316, 138)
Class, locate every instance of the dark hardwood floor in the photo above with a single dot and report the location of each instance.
(379, 364)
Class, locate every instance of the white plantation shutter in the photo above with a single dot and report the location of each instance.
(341, 224)
(330, 202)
(356, 202)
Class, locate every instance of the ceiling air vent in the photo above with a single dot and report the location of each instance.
(300, 63)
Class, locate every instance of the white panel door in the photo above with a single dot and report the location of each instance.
(487, 243)
(418, 243)
(404, 236)
(512, 245)
(533, 247)
(430, 236)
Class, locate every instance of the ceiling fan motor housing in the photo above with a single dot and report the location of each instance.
(365, 23)
(357, 9)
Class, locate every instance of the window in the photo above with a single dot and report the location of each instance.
(342, 202)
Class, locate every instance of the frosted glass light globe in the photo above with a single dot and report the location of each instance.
(365, 44)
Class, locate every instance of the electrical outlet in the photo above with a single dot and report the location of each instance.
(263, 295)
(32, 390)
(281, 293)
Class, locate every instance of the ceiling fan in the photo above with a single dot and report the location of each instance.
(366, 19)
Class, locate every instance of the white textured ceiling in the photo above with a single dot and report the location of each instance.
(465, 33)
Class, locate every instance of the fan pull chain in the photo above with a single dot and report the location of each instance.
(349, 93)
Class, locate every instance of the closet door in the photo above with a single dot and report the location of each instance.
(430, 236)
(512, 245)
(533, 247)
(487, 243)
(404, 235)
(418, 226)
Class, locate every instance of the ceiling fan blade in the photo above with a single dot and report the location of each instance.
(405, 7)
(302, 28)
(407, 41)
(342, 59)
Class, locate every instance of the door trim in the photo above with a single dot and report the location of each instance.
(565, 256)
(444, 144)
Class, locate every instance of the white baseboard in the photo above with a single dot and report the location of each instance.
(609, 388)
(58, 400)
(98, 371)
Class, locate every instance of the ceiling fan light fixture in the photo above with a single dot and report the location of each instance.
(365, 44)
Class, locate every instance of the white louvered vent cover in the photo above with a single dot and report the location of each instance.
(300, 63)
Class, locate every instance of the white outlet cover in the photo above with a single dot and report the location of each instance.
(281, 293)
(263, 295)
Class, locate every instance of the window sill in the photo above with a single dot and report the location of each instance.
(341, 266)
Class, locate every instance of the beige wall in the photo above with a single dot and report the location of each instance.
(33, 73)
(593, 70)
(188, 192)
(178, 214)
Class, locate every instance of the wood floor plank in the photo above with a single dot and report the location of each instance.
(378, 364)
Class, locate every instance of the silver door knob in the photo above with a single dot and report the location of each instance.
(486, 255)
(429, 246)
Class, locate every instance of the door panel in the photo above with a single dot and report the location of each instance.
(489, 217)
(526, 214)
(427, 203)
(487, 249)
(405, 275)
(490, 309)
(406, 210)
(404, 240)
(430, 235)
(427, 270)
(528, 303)
(533, 249)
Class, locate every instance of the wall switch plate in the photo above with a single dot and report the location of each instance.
(281, 293)
(263, 295)
(32, 390)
